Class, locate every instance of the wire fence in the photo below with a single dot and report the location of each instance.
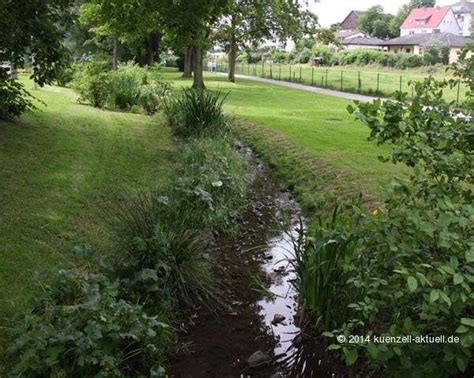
(382, 84)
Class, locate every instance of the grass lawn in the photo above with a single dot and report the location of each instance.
(383, 81)
(59, 167)
(317, 124)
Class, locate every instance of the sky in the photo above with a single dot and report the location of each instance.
(332, 11)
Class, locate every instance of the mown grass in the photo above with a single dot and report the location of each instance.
(312, 139)
(59, 167)
(375, 81)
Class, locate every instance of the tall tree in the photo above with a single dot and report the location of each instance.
(376, 22)
(252, 21)
(190, 24)
(33, 28)
(124, 21)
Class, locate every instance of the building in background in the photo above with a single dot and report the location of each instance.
(464, 12)
(416, 43)
(430, 20)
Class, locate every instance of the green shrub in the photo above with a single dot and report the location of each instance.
(436, 53)
(195, 113)
(14, 98)
(130, 87)
(303, 56)
(324, 52)
(65, 76)
(418, 262)
(83, 328)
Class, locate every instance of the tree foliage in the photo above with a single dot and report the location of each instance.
(376, 23)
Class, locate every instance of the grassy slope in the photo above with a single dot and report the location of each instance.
(319, 124)
(59, 166)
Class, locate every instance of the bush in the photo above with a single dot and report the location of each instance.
(324, 52)
(14, 99)
(65, 76)
(127, 88)
(83, 328)
(196, 113)
(436, 53)
(418, 263)
(303, 56)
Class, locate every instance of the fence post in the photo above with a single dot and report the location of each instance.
(378, 83)
(359, 83)
(312, 75)
(271, 70)
(342, 80)
(248, 69)
(322, 81)
(301, 74)
(279, 71)
(290, 72)
(459, 92)
(401, 82)
(263, 68)
(327, 71)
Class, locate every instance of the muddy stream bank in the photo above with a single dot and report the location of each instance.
(260, 336)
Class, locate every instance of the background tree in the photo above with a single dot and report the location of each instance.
(189, 24)
(30, 31)
(405, 10)
(252, 21)
(376, 23)
(130, 21)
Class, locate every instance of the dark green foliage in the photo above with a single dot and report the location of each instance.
(418, 271)
(83, 328)
(436, 53)
(14, 98)
(196, 113)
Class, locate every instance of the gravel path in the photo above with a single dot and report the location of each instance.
(308, 88)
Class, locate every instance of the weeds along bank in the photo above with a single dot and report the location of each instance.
(116, 316)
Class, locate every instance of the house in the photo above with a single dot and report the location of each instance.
(464, 12)
(415, 43)
(351, 22)
(430, 20)
(364, 42)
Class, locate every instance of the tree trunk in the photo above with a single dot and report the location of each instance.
(115, 55)
(188, 62)
(232, 53)
(153, 44)
(232, 59)
(198, 79)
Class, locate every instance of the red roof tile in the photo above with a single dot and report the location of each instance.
(432, 17)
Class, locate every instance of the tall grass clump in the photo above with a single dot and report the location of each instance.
(323, 254)
(157, 256)
(196, 113)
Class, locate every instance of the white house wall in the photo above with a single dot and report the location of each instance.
(448, 25)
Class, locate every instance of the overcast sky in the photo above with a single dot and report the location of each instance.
(332, 11)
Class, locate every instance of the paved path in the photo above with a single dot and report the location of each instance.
(308, 88)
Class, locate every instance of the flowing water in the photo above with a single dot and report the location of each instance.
(260, 335)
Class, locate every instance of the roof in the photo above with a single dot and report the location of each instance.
(463, 7)
(422, 39)
(363, 41)
(351, 20)
(431, 16)
(343, 34)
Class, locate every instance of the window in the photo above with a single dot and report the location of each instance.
(420, 21)
(412, 32)
(408, 50)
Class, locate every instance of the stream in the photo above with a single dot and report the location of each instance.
(260, 336)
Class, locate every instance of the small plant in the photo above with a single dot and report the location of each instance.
(195, 113)
(83, 328)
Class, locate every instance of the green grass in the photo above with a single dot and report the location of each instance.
(60, 166)
(317, 125)
(378, 80)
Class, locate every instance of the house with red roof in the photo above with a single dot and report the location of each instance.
(431, 20)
